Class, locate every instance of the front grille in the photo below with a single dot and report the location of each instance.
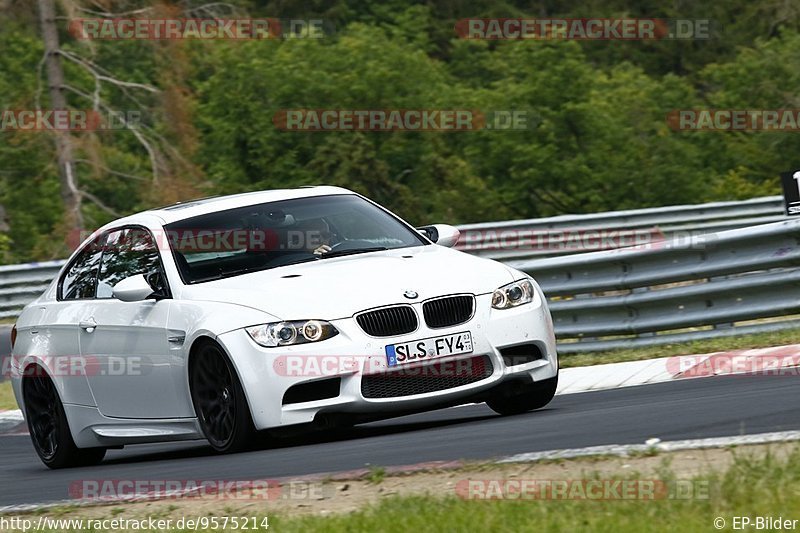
(388, 321)
(421, 379)
(448, 311)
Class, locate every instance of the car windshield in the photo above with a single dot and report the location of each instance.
(263, 236)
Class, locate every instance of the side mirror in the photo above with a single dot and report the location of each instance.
(441, 234)
(133, 289)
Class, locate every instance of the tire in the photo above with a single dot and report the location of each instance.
(48, 426)
(219, 401)
(532, 396)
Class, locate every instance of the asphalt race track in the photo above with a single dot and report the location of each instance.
(710, 407)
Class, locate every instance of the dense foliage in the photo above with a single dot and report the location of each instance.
(600, 142)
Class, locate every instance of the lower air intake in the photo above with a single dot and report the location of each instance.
(422, 379)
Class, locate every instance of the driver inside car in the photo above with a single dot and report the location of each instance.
(315, 235)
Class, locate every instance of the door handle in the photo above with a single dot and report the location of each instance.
(87, 325)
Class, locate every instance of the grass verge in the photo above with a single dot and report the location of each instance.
(7, 401)
(765, 486)
(754, 340)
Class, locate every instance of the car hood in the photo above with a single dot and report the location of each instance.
(339, 287)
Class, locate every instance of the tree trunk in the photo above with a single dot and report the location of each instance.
(70, 194)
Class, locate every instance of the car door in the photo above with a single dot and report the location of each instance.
(126, 343)
(54, 335)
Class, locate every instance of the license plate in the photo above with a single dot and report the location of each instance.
(430, 348)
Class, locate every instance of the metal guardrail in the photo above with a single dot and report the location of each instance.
(21, 284)
(686, 287)
(565, 234)
(674, 291)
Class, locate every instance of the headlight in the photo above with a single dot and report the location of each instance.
(291, 332)
(514, 294)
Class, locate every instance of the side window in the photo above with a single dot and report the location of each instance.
(79, 281)
(128, 252)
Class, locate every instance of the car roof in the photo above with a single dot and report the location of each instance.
(183, 210)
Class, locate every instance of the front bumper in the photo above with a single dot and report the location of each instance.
(268, 373)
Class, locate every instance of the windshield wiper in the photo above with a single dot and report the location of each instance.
(340, 253)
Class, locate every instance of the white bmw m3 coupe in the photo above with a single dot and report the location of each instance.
(223, 317)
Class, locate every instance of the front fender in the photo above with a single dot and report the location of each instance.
(190, 321)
